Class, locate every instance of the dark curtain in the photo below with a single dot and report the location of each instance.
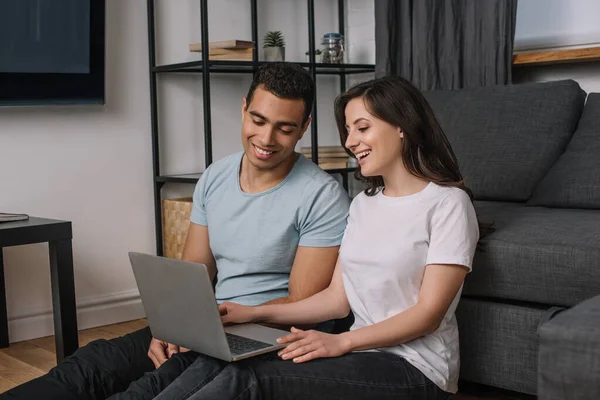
(445, 44)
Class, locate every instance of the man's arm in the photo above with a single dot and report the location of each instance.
(197, 248)
(322, 220)
(311, 273)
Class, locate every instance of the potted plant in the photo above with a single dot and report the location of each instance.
(274, 46)
(317, 53)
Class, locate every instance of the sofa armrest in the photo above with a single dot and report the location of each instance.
(569, 353)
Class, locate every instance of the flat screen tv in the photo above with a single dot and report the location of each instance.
(52, 52)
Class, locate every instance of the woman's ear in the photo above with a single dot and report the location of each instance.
(401, 133)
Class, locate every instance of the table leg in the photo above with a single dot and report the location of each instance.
(3, 313)
(63, 298)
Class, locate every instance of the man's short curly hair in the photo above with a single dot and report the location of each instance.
(286, 81)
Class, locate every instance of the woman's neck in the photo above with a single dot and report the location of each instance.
(400, 182)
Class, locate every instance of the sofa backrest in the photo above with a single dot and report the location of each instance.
(574, 180)
(506, 138)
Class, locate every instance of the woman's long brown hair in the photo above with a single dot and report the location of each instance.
(426, 152)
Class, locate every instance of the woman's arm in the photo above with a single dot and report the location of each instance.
(330, 303)
(440, 285)
(439, 288)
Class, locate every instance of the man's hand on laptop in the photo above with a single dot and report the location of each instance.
(236, 313)
(160, 351)
(232, 313)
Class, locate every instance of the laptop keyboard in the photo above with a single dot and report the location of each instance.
(241, 345)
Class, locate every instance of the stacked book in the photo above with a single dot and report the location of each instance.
(230, 50)
(330, 157)
(9, 217)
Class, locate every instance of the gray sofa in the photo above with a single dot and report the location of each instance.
(531, 155)
(569, 355)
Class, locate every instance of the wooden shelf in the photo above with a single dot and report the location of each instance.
(556, 57)
(250, 67)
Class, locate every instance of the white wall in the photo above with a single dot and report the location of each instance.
(92, 164)
(558, 24)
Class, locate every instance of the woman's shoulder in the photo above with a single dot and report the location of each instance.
(361, 198)
(451, 194)
(433, 195)
(360, 203)
(451, 198)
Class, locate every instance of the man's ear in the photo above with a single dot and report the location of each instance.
(243, 106)
(304, 127)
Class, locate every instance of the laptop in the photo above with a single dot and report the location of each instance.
(181, 309)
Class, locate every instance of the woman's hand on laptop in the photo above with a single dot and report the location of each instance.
(232, 313)
(308, 345)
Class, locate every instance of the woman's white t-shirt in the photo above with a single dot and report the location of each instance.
(387, 245)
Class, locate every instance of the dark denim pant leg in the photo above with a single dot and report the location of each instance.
(93, 372)
(202, 372)
(104, 368)
(369, 375)
(152, 383)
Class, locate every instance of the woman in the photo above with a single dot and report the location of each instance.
(408, 245)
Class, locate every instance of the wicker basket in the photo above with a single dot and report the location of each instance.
(176, 221)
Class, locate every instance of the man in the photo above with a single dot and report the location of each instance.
(266, 222)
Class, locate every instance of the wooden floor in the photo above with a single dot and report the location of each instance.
(23, 361)
(27, 360)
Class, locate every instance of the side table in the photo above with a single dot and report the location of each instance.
(58, 234)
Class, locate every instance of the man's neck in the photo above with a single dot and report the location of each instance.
(254, 180)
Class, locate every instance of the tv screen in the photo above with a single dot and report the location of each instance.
(52, 52)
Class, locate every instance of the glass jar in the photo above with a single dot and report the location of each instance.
(332, 51)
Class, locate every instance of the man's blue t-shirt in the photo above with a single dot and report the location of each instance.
(254, 237)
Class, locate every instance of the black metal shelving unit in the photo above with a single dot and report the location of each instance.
(206, 67)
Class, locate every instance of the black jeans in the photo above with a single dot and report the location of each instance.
(116, 369)
(365, 375)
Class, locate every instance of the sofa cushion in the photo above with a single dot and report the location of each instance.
(537, 254)
(506, 138)
(574, 180)
(499, 343)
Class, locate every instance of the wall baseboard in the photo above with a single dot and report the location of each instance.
(91, 312)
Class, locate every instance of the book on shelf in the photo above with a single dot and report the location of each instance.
(326, 152)
(244, 54)
(325, 149)
(333, 164)
(231, 55)
(220, 52)
(8, 217)
(224, 44)
(330, 157)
